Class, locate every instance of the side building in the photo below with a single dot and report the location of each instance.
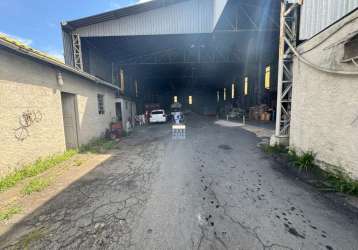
(324, 116)
(46, 106)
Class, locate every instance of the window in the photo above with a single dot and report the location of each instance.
(224, 94)
(121, 78)
(218, 96)
(126, 103)
(136, 88)
(100, 102)
(175, 99)
(190, 100)
(351, 50)
(233, 90)
(268, 77)
(246, 86)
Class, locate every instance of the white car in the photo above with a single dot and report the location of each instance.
(157, 115)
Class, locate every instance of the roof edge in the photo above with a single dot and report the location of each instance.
(117, 13)
(54, 62)
(326, 33)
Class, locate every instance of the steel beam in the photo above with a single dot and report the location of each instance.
(288, 35)
(77, 52)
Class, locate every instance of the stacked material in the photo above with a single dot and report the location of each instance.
(260, 113)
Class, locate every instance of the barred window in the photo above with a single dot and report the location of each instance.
(351, 50)
(100, 102)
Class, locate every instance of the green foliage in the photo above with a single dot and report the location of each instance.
(339, 180)
(27, 239)
(34, 169)
(342, 182)
(78, 163)
(98, 146)
(36, 185)
(7, 213)
(303, 162)
(277, 149)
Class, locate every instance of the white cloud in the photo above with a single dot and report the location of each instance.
(58, 54)
(25, 41)
(115, 5)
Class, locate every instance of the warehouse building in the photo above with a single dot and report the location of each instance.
(210, 55)
(215, 53)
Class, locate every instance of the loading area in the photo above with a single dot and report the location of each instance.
(216, 58)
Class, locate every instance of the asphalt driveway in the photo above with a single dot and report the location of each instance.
(214, 190)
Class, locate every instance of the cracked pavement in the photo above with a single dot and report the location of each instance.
(214, 190)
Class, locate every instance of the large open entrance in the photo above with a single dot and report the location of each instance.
(234, 66)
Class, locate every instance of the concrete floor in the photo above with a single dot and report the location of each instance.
(214, 190)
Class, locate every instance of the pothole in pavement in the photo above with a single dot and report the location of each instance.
(225, 147)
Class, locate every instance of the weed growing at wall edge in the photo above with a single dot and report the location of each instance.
(36, 185)
(97, 146)
(335, 177)
(34, 169)
(305, 161)
(7, 213)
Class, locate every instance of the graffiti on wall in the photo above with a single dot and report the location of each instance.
(26, 120)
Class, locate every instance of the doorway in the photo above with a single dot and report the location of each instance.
(119, 111)
(69, 111)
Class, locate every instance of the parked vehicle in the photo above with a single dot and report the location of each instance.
(157, 116)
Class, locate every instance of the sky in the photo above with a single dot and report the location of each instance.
(37, 22)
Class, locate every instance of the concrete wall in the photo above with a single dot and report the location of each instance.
(324, 105)
(129, 110)
(26, 84)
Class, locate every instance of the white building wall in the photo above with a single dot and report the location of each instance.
(324, 105)
(26, 84)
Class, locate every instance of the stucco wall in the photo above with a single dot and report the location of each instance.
(129, 110)
(25, 85)
(324, 105)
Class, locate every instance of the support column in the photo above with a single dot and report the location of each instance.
(288, 36)
(77, 52)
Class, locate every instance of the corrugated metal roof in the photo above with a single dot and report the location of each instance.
(316, 15)
(115, 14)
(195, 16)
(19, 47)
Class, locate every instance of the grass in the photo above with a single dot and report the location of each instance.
(305, 161)
(277, 149)
(34, 169)
(342, 182)
(77, 163)
(335, 177)
(41, 165)
(33, 236)
(98, 146)
(36, 185)
(7, 213)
